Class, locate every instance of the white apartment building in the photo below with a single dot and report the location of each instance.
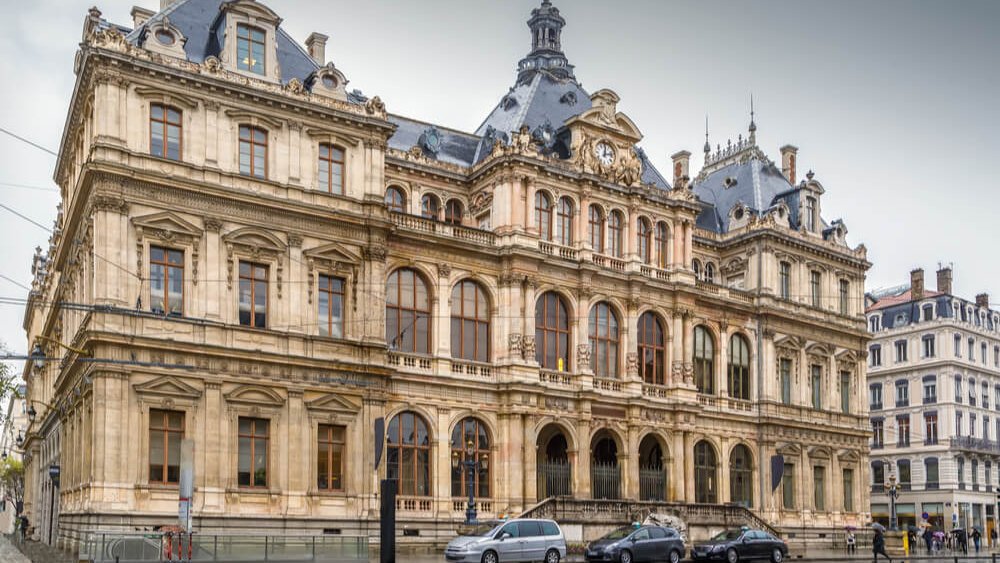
(934, 396)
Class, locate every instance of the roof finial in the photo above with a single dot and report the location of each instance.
(753, 125)
(708, 147)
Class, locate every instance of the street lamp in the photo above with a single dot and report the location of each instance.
(467, 460)
(893, 489)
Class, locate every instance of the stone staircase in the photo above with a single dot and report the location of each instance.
(38, 552)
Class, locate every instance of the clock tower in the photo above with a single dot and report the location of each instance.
(546, 45)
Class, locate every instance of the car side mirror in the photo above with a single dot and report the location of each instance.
(504, 535)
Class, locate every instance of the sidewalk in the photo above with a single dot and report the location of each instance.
(9, 553)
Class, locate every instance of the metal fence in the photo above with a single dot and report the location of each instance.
(652, 483)
(554, 479)
(119, 547)
(605, 480)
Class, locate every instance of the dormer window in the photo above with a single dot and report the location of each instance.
(810, 218)
(250, 49)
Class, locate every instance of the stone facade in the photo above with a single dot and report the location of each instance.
(761, 326)
(934, 395)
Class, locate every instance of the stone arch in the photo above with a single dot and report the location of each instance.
(741, 471)
(654, 463)
(706, 471)
(555, 455)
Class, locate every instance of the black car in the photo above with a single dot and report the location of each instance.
(632, 545)
(743, 544)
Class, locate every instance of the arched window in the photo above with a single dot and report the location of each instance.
(739, 368)
(652, 350)
(705, 473)
(710, 272)
(616, 227)
(407, 312)
(704, 360)
(645, 241)
(453, 212)
(470, 436)
(331, 169)
(429, 206)
(408, 454)
(663, 244)
(470, 322)
(552, 332)
(596, 220)
(696, 266)
(564, 221)
(395, 199)
(604, 339)
(543, 215)
(741, 476)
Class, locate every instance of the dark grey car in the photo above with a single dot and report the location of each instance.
(635, 545)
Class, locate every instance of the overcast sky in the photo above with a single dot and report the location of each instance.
(893, 103)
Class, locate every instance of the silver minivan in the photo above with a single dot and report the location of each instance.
(522, 539)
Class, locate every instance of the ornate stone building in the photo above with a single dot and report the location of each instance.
(934, 398)
(260, 260)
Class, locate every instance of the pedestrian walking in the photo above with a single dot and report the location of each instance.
(852, 542)
(878, 546)
(22, 533)
(976, 538)
(993, 537)
(929, 540)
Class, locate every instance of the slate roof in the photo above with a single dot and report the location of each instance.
(199, 22)
(456, 147)
(759, 185)
(543, 98)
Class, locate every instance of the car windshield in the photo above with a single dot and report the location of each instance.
(484, 530)
(727, 535)
(618, 534)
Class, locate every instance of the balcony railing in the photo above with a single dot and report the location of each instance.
(609, 262)
(423, 224)
(420, 363)
(975, 444)
(559, 250)
(475, 369)
(604, 384)
(560, 378)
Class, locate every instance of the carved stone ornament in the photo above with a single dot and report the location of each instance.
(213, 224)
(295, 86)
(212, 64)
(444, 270)
(375, 253)
(110, 203)
(632, 364)
(515, 345)
(529, 346)
(375, 106)
(480, 202)
(689, 373)
(583, 355)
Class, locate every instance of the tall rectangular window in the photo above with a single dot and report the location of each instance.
(875, 396)
(810, 218)
(819, 488)
(166, 430)
(986, 395)
(878, 433)
(253, 295)
(930, 428)
(903, 430)
(958, 388)
(253, 452)
(166, 281)
(905, 475)
(331, 169)
(786, 381)
(928, 342)
(876, 356)
(845, 297)
(972, 350)
(816, 377)
(253, 151)
(901, 351)
(331, 306)
(330, 458)
(845, 392)
(814, 288)
(785, 280)
(788, 487)
(165, 132)
(930, 389)
(902, 393)
(848, 490)
(958, 425)
(250, 48)
(931, 479)
(958, 345)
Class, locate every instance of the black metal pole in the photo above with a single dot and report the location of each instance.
(52, 509)
(471, 517)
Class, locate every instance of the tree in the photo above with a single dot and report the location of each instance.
(8, 378)
(12, 481)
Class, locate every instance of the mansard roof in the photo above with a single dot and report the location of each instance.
(200, 23)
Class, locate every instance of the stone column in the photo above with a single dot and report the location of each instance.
(630, 459)
(723, 363)
(529, 449)
(724, 476)
(688, 235)
(580, 461)
(525, 204)
(583, 222)
(441, 454)
(676, 376)
(442, 304)
(295, 153)
(687, 459)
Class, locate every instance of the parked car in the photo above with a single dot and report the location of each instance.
(634, 545)
(743, 544)
(524, 539)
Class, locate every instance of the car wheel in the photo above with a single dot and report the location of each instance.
(777, 556)
(675, 556)
(490, 557)
(552, 556)
(625, 557)
(732, 556)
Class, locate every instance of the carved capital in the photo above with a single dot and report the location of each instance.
(444, 270)
(295, 240)
(110, 203)
(212, 224)
(529, 346)
(583, 356)
(375, 253)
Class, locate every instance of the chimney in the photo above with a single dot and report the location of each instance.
(917, 284)
(788, 155)
(944, 280)
(140, 16)
(316, 45)
(983, 300)
(164, 4)
(682, 162)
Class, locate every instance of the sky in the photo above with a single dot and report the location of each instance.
(893, 103)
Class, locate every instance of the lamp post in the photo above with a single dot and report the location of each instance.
(467, 460)
(893, 489)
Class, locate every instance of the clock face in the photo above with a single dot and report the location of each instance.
(604, 153)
